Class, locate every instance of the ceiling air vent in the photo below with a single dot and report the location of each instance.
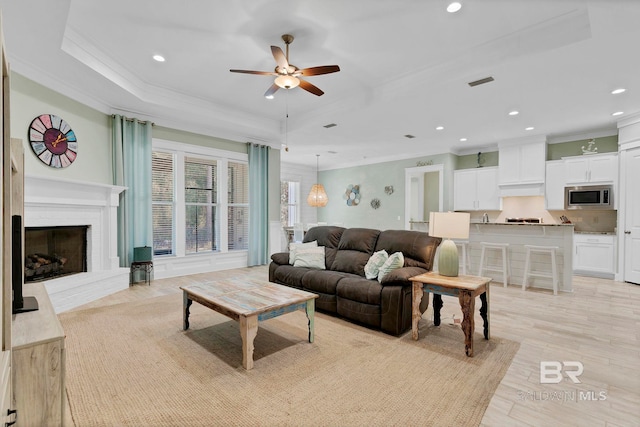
(330, 125)
(409, 136)
(481, 81)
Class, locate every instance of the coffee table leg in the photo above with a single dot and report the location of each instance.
(467, 304)
(437, 306)
(186, 303)
(310, 314)
(416, 292)
(248, 331)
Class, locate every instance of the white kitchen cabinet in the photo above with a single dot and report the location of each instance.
(554, 185)
(522, 163)
(594, 253)
(591, 169)
(476, 189)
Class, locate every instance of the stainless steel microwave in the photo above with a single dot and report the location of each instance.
(588, 197)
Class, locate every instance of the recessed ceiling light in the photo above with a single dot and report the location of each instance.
(454, 6)
(440, 128)
(617, 91)
(529, 128)
(158, 58)
(463, 139)
(514, 113)
(269, 96)
(618, 113)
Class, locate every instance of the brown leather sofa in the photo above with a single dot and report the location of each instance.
(343, 289)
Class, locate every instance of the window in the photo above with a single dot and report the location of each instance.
(163, 202)
(200, 190)
(238, 205)
(289, 203)
(200, 199)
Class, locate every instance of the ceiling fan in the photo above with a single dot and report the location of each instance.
(288, 75)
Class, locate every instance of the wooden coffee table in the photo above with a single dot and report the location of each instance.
(248, 302)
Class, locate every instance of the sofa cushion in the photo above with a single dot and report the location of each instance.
(394, 262)
(290, 275)
(372, 267)
(417, 247)
(323, 281)
(280, 258)
(354, 250)
(312, 257)
(359, 289)
(326, 235)
(401, 276)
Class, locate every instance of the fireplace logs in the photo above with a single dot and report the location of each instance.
(37, 266)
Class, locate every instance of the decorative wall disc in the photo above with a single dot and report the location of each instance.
(352, 195)
(375, 203)
(388, 189)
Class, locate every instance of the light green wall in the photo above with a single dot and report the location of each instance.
(92, 128)
(197, 139)
(431, 196)
(470, 161)
(607, 144)
(372, 180)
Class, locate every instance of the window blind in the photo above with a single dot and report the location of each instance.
(163, 202)
(238, 205)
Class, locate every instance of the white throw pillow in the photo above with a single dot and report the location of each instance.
(394, 262)
(293, 248)
(376, 261)
(311, 257)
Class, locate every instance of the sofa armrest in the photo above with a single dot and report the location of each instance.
(401, 276)
(281, 258)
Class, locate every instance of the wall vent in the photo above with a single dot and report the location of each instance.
(330, 125)
(481, 81)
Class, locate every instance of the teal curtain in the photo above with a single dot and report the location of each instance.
(132, 169)
(258, 204)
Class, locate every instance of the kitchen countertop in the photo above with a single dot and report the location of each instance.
(523, 223)
(606, 233)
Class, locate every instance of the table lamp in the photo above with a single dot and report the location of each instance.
(449, 225)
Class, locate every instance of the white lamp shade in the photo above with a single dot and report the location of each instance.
(450, 225)
(287, 82)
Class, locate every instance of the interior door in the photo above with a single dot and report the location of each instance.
(632, 218)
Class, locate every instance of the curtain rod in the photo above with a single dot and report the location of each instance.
(142, 122)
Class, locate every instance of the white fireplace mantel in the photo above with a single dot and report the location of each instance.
(50, 202)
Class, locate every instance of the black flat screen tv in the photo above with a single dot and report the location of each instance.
(21, 303)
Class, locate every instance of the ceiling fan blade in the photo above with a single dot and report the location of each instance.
(273, 89)
(281, 60)
(316, 71)
(262, 73)
(310, 88)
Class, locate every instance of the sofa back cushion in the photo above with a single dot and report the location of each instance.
(418, 248)
(354, 250)
(327, 236)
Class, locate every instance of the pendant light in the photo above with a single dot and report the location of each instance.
(317, 196)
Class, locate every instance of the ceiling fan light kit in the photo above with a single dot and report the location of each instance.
(287, 74)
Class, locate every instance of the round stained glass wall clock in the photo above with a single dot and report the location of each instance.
(53, 141)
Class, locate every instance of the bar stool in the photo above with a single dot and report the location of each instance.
(466, 260)
(505, 269)
(548, 250)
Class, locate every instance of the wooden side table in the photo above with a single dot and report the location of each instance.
(466, 288)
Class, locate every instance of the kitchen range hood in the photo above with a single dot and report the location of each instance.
(529, 189)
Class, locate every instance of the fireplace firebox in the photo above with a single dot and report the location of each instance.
(55, 251)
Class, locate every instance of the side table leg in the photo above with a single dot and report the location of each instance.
(186, 303)
(484, 312)
(437, 306)
(416, 293)
(311, 304)
(248, 332)
(467, 304)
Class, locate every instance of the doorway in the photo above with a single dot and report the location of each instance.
(631, 217)
(424, 193)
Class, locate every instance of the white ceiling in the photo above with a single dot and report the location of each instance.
(405, 65)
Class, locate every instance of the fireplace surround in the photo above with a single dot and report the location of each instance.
(55, 202)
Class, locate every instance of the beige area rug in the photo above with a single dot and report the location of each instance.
(132, 364)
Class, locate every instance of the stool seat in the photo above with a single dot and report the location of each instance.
(553, 274)
(505, 268)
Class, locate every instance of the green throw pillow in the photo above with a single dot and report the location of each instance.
(376, 261)
(394, 262)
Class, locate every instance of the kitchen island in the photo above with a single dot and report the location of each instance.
(518, 235)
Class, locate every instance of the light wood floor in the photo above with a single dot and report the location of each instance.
(597, 325)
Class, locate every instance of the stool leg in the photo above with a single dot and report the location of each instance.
(554, 272)
(505, 266)
(527, 261)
